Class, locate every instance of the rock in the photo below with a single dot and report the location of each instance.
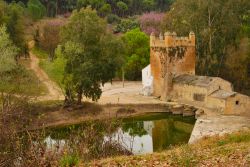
(178, 106)
(147, 91)
(199, 113)
(177, 109)
(188, 112)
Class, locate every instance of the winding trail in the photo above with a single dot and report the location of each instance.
(54, 91)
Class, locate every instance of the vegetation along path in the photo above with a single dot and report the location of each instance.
(55, 92)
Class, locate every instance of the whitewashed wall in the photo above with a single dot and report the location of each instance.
(147, 81)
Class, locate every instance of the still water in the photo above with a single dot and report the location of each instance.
(139, 135)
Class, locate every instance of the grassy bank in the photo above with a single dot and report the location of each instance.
(41, 54)
(54, 69)
(229, 150)
(24, 82)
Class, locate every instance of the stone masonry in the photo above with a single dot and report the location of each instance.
(170, 56)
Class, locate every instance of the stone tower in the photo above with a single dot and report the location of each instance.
(170, 56)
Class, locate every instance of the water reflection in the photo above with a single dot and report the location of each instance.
(137, 143)
(140, 135)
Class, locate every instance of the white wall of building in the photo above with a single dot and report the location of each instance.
(147, 81)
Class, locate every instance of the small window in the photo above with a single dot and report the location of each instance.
(199, 97)
(237, 102)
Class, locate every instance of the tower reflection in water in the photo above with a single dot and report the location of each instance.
(144, 136)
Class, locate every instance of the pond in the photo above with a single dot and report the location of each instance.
(137, 135)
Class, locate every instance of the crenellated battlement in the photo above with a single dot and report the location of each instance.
(170, 56)
(171, 40)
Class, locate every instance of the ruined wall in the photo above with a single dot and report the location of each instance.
(170, 56)
(238, 104)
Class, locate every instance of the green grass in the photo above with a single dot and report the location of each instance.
(54, 69)
(22, 81)
(69, 160)
(234, 139)
(41, 54)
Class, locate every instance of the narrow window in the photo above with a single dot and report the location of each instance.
(237, 102)
(198, 97)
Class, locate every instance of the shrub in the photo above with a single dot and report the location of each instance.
(126, 25)
(150, 22)
(104, 10)
(36, 9)
(112, 18)
(69, 161)
(137, 56)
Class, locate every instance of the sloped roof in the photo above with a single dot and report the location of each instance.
(186, 79)
(222, 94)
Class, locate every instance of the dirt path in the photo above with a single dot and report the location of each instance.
(54, 91)
(112, 93)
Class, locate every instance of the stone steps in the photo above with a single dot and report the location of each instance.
(185, 110)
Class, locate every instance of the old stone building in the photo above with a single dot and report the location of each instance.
(170, 56)
(172, 71)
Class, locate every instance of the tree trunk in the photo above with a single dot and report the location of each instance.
(68, 97)
(56, 7)
(210, 32)
(79, 97)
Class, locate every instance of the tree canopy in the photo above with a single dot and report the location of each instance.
(219, 26)
(137, 53)
(12, 16)
(92, 55)
(36, 9)
(8, 52)
(118, 7)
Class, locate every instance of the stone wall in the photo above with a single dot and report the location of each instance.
(188, 92)
(237, 105)
(216, 103)
(219, 83)
(170, 56)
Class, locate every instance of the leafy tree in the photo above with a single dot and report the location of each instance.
(81, 3)
(217, 25)
(148, 5)
(137, 56)
(213, 26)
(134, 128)
(36, 9)
(52, 8)
(50, 37)
(112, 18)
(105, 10)
(131, 7)
(237, 66)
(126, 25)
(8, 52)
(20, 3)
(95, 4)
(163, 4)
(122, 7)
(92, 55)
(150, 22)
(12, 15)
